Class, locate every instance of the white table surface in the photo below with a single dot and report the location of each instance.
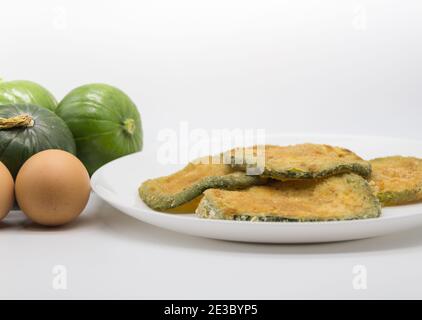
(110, 255)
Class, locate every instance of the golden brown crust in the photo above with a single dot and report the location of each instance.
(342, 197)
(188, 176)
(397, 179)
(301, 161)
(178, 188)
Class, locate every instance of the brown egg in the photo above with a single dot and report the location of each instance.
(7, 193)
(52, 187)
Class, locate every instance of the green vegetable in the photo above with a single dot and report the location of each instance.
(104, 121)
(28, 129)
(26, 92)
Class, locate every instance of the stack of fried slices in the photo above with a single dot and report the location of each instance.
(304, 182)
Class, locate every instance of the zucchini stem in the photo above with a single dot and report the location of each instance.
(20, 121)
(129, 125)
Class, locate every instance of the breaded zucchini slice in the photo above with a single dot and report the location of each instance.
(176, 189)
(301, 161)
(343, 197)
(397, 179)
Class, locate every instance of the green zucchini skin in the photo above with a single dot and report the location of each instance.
(104, 121)
(47, 132)
(232, 181)
(293, 174)
(26, 92)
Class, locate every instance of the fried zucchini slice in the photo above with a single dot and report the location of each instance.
(397, 179)
(176, 189)
(301, 161)
(343, 197)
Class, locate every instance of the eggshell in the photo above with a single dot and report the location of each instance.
(7, 193)
(52, 187)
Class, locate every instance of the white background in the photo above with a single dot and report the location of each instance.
(286, 66)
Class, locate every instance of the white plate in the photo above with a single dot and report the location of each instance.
(117, 183)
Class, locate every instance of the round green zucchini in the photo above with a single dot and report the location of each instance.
(26, 92)
(28, 129)
(104, 122)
